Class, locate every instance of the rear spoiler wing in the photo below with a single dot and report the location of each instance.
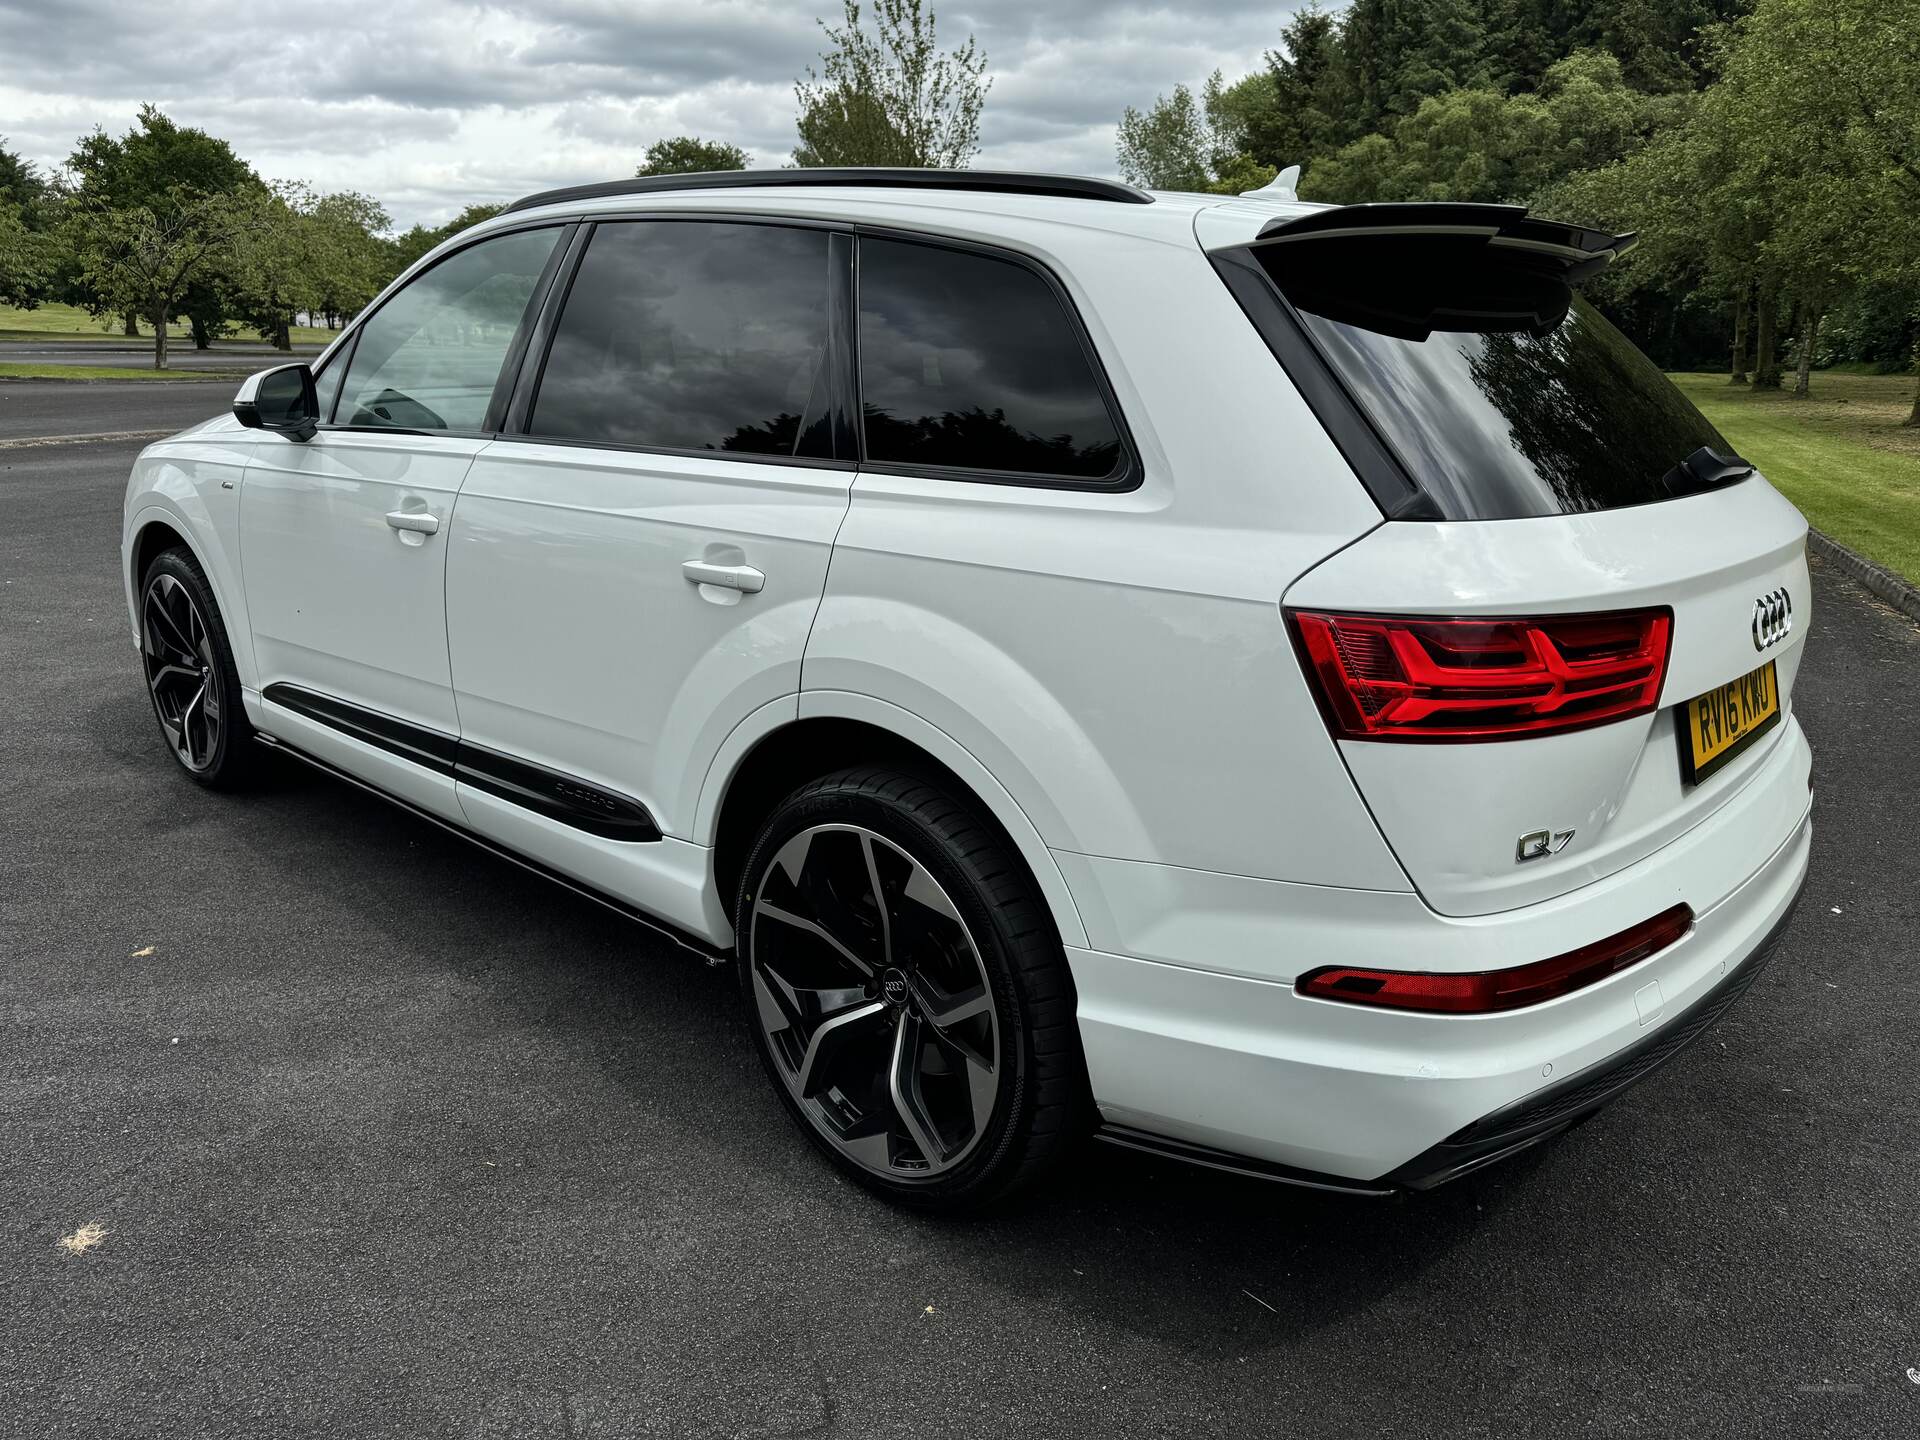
(1582, 251)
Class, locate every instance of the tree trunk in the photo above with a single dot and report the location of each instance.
(1766, 364)
(159, 334)
(130, 324)
(1738, 375)
(282, 340)
(1913, 420)
(202, 340)
(1809, 336)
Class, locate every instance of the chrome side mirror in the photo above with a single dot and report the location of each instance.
(281, 400)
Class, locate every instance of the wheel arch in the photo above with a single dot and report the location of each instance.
(155, 534)
(160, 524)
(833, 731)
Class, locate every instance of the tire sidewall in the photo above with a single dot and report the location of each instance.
(181, 565)
(976, 1176)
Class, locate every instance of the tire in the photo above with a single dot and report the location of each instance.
(190, 674)
(932, 1053)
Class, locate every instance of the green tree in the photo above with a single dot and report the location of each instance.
(140, 259)
(1791, 187)
(1181, 144)
(1661, 46)
(1168, 147)
(1484, 144)
(890, 95)
(404, 249)
(690, 155)
(1831, 92)
(1301, 106)
(1238, 173)
(21, 183)
(1337, 78)
(28, 262)
(277, 266)
(351, 257)
(28, 257)
(155, 166)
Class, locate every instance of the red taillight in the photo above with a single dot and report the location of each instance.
(1483, 992)
(1384, 677)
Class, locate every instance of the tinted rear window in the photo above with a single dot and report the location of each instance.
(973, 362)
(689, 335)
(1503, 392)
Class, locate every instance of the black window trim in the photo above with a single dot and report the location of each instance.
(531, 363)
(519, 413)
(529, 351)
(1127, 473)
(348, 344)
(1350, 428)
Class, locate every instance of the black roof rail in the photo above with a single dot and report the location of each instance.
(1003, 182)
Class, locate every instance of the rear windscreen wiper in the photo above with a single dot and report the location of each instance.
(1705, 469)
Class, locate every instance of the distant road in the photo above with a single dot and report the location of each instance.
(138, 355)
(31, 410)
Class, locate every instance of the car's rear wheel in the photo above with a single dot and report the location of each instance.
(190, 674)
(907, 990)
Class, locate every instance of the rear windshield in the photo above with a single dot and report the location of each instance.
(1503, 393)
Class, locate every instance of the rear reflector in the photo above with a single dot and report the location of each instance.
(1482, 992)
(1383, 677)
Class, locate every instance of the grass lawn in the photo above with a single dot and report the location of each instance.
(70, 322)
(9, 371)
(67, 322)
(1841, 455)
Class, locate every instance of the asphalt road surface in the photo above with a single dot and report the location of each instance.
(39, 409)
(389, 1138)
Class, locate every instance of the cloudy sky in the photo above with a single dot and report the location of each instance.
(430, 104)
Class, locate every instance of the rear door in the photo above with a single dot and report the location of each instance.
(1512, 668)
(633, 569)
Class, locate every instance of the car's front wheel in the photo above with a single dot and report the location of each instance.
(190, 674)
(908, 991)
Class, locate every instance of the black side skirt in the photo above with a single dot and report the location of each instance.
(552, 793)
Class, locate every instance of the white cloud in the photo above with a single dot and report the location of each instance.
(429, 104)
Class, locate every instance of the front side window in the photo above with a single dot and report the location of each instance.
(428, 359)
(693, 335)
(326, 385)
(972, 362)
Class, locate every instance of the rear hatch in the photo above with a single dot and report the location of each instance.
(1573, 555)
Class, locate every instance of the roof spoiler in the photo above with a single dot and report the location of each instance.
(1582, 251)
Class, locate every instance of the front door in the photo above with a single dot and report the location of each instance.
(344, 537)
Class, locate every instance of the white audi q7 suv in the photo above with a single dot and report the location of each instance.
(1285, 687)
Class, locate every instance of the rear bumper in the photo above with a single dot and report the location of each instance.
(1513, 1127)
(1557, 1107)
(1238, 1071)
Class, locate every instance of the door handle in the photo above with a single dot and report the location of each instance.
(422, 522)
(743, 578)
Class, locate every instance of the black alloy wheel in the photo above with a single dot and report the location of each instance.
(908, 994)
(189, 671)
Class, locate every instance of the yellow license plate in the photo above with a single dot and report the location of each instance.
(1718, 725)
